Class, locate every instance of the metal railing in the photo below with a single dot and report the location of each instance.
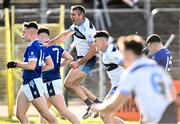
(152, 15)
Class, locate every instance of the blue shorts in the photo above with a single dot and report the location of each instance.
(88, 66)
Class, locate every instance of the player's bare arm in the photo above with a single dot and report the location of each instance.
(60, 37)
(67, 58)
(88, 56)
(24, 65)
(49, 64)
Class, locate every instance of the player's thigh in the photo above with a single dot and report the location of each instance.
(40, 104)
(74, 76)
(22, 103)
(58, 102)
(48, 101)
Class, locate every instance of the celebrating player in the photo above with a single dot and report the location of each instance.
(150, 85)
(52, 79)
(32, 89)
(83, 31)
(112, 59)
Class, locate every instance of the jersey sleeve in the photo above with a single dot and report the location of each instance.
(157, 58)
(126, 86)
(71, 28)
(61, 50)
(32, 54)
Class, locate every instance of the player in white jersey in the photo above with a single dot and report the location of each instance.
(150, 85)
(83, 31)
(112, 60)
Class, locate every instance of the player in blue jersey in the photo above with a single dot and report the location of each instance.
(52, 79)
(160, 54)
(32, 89)
(83, 32)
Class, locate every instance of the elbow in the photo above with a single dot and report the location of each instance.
(32, 68)
(51, 67)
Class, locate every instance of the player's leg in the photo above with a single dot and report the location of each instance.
(36, 87)
(108, 119)
(22, 105)
(72, 84)
(90, 95)
(59, 103)
(43, 120)
(117, 120)
(41, 105)
(106, 116)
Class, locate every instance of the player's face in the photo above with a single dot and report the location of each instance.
(26, 34)
(43, 37)
(99, 44)
(152, 47)
(76, 17)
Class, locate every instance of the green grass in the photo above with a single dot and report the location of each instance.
(35, 121)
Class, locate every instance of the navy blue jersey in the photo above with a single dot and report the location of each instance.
(164, 58)
(55, 52)
(34, 52)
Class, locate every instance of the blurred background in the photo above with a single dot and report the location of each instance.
(118, 17)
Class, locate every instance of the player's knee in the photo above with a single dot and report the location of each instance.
(63, 113)
(44, 114)
(20, 115)
(68, 85)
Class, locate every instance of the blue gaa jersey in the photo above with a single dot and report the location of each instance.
(164, 58)
(55, 52)
(34, 52)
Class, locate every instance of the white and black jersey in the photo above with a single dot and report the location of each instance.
(83, 36)
(112, 58)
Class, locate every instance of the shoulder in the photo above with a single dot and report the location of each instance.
(56, 47)
(88, 24)
(162, 53)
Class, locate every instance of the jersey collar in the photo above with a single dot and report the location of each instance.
(30, 43)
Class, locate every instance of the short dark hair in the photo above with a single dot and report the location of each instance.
(79, 8)
(154, 38)
(101, 34)
(30, 25)
(43, 30)
(134, 45)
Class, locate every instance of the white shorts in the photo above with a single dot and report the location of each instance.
(53, 88)
(34, 89)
